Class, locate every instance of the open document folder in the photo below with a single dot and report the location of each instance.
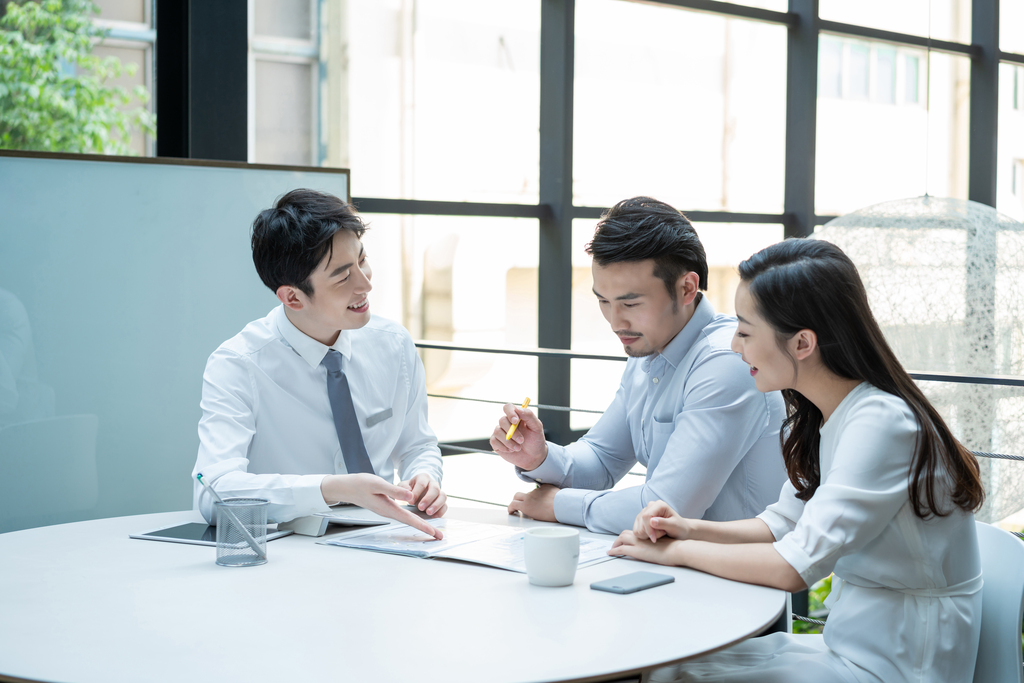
(489, 544)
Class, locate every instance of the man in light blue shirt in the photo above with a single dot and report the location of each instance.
(687, 407)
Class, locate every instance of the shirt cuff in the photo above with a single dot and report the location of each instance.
(570, 505)
(798, 560)
(551, 471)
(776, 523)
(308, 496)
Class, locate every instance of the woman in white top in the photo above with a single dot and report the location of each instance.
(880, 493)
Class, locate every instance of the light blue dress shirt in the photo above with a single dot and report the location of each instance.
(693, 416)
(267, 429)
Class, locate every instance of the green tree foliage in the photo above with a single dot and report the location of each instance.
(53, 92)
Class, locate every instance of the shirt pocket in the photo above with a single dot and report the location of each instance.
(661, 432)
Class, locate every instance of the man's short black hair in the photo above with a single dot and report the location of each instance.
(291, 239)
(643, 228)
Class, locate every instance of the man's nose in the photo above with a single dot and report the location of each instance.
(363, 283)
(618, 320)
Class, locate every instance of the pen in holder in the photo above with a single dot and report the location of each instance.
(236, 532)
(241, 532)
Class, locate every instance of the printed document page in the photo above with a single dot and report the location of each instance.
(404, 540)
(488, 544)
(507, 551)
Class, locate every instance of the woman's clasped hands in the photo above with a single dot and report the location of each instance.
(656, 521)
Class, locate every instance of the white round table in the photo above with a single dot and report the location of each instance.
(82, 602)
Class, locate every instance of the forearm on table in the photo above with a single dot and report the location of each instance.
(738, 531)
(756, 563)
(289, 495)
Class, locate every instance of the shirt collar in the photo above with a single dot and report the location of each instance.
(310, 349)
(680, 345)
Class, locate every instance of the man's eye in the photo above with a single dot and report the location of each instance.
(630, 305)
(740, 335)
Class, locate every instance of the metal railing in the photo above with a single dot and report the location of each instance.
(948, 377)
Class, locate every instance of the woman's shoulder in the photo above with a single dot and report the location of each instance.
(869, 407)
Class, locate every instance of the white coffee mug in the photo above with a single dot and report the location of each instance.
(552, 553)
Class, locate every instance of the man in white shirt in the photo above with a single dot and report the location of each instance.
(319, 402)
(687, 408)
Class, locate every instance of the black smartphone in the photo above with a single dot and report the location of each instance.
(631, 583)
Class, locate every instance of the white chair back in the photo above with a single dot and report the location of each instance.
(1002, 566)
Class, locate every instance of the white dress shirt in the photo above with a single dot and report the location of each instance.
(693, 416)
(267, 429)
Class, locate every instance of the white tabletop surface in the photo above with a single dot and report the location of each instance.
(82, 602)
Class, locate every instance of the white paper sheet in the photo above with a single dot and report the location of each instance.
(488, 544)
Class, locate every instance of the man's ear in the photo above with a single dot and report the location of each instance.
(803, 344)
(291, 297)
(687, 287)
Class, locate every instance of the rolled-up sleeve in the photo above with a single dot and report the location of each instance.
(229, 404)
(781, 517)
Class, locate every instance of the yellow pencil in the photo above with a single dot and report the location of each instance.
(513, 430)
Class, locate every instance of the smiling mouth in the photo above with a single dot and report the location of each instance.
(359, 306)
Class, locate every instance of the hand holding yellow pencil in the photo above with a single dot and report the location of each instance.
(513, 429)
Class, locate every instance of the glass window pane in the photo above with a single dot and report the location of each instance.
(911, 85)
(942, 19)
(1010, 154)
(885, 75)
(1011, 19)
(682, 106)
(131, 57)
(594, 382)
(441, 278)
(726, 244)
(437, 99)
(857, 78)
(122, 10)
(284, 113)
(283, 18)
(869, 151)
(830, 67)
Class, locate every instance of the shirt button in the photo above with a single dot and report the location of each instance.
(655, 380)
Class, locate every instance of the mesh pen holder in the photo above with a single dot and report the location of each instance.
(233, 550)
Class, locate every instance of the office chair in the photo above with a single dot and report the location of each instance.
(999, 651)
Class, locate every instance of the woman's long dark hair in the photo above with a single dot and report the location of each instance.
(811, 284)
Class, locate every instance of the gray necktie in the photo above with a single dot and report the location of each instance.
(345, 422)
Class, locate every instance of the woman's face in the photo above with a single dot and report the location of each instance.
(755, 340)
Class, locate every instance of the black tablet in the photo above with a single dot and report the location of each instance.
(196, 533)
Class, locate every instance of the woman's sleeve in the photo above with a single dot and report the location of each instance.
(863, 490)
(781, 517)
